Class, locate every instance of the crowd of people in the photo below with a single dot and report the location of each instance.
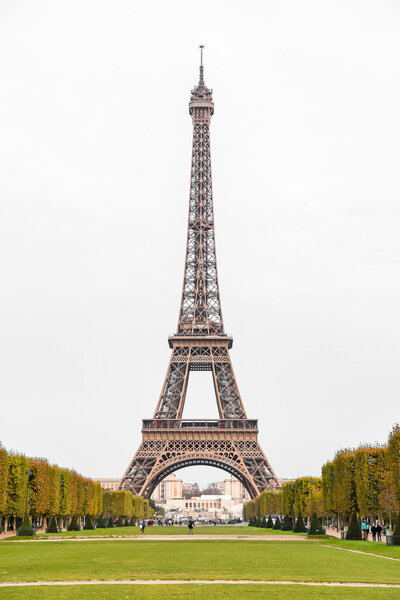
(143, 524)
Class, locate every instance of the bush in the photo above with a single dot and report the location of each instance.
(26, 527)
(120, 522)
(277, 523)
(396, 532)
(300, 527)
(251, 522)
(354, 530)
(88, 523)
(53, 527)
(110, 521)
(315, 526)
(270, 524)
(126, 523)
(101, 524)
(286, 525)
(74, 525)
(263, 523)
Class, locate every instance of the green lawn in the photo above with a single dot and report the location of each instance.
(196, 592)
(177, 530)
(370, 547)
(189, 560)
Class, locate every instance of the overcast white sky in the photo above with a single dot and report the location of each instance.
(94, 177)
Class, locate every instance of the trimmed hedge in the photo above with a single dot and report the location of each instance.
(396, 532)
(74, 525)
(26, 527)
(299, 526)
(277, 524)
(88, 523)
(101, 523)
(354, 530)
(286, 525)
(315, 526)
(270, 524)
(53, 527)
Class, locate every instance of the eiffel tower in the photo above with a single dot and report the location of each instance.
(200, 344)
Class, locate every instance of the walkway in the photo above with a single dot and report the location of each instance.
(167, 538)
(202, 582)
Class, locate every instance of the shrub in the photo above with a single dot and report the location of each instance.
(52, 528)
(277, 523)
(101, 523)
(126, 523)
(263, 523)
(270, 524)
(396, 532)
(74, 525)
(354, 530)
(26, 527)
(315, 526)
(110, 521)
(286, 525)
(120, 522)
(300, 527)
(88, 523)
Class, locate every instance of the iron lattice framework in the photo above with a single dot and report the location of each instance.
(200, 344)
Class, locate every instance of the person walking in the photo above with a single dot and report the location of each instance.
(373, 531)
(379, 530)
(364, 530)
(190, 526)
(142, 526)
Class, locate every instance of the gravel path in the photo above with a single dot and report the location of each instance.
(169, 538)
(361, 552)
(200, 582)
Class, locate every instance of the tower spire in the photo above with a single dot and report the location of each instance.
(201, 80)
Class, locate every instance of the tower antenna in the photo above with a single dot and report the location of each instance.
(201, 81)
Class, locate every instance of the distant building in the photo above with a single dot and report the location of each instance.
(184, 499)
(108, 484)
(170, 488)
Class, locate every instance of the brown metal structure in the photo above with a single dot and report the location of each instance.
(200, 344)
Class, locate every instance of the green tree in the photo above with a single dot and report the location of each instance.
(17, 483)
(393, 463)
(4, 466)
(362, 476)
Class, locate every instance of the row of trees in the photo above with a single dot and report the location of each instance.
(362, 480)
(302, 496)
(34, 486)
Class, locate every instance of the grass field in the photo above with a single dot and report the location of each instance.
(191, 560)
(322, 560)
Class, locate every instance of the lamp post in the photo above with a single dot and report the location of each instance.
(84, 506)
(311, 482)
(61, 498)
(371, 462)
(29, 473)
(293, 517)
